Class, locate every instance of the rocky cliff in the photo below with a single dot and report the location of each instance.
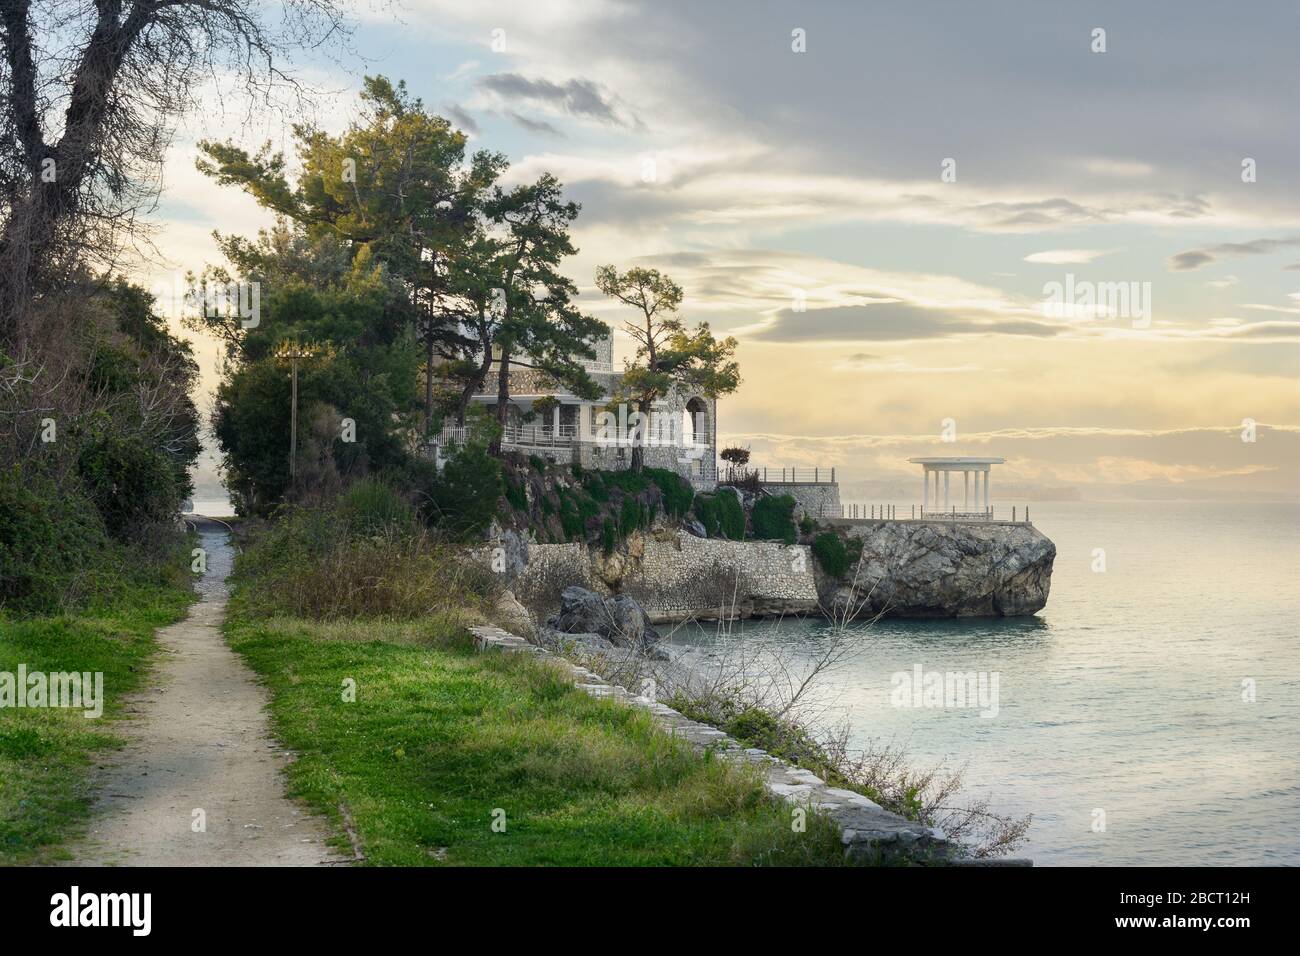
(943, 569)
(908, 568)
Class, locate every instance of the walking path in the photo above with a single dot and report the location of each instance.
(199, 739)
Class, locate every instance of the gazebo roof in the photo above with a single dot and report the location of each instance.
(957, 460)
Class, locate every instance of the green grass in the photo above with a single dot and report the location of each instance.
(46, 755)
(440, 737)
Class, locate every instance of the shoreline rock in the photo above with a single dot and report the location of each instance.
(916, 569)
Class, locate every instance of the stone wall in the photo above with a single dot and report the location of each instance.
(818, 499)
(909, 569)
(680, 577)
(675, 576)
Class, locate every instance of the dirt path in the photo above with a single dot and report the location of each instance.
(199, 739)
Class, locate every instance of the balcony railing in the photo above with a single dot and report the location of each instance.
(780, 476)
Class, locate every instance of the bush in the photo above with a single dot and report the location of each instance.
(515, 494)
(631, 516)
(830, 553)
(371, 506)
(131, 483)
(676, 491)
(54, 551)
(773, 518)
(596, 486)
(571, 521)
(538, 463)
(607, 536)
(721, 514)
(309, 564)
(465, 497)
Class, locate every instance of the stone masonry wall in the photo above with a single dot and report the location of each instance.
(676, 576)
(680, 577)
(820, 499)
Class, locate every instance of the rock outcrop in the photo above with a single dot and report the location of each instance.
(620, 620)
(940, 569)
(909, 568)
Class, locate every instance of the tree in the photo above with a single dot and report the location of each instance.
(88, 95)
(668, 356)
(737, 457)
(395, 183)
(537, 325)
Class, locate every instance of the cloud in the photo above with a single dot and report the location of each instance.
(533, 125)
(1065, 257)
(461, 118)
(1195, 258)
(580, 98)
(891, 322)
(862, 362)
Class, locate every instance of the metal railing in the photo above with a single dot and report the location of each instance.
(781, 476)
(885, 512)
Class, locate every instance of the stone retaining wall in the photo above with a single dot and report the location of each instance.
(680, 577)
(870, 833)
(817, 499)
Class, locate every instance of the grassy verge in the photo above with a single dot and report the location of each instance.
(46, 755)
(440, 742)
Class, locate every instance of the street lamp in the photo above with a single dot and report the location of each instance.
(293, 351)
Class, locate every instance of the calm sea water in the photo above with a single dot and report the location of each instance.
(1124, 695)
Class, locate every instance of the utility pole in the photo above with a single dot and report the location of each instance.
(293, 351)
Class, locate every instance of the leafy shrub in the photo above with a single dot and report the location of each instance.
(515, 494)
(607, 536)
(371, 506)
(807, 524)
(596, 486)
(629, 482)
(130, 482)
(631, 516)
(538, 463)
(309, 564)
(676, 490)
(571, 521)
(721, 514)
(773, 518)
(575, 469)
(465, 496)
(828, 549)
(53, 548)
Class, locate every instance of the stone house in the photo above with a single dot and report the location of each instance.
(681, 433)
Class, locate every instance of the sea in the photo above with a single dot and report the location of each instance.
(1150, 714)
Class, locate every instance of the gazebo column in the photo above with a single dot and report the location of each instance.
(965, 493)
(986, 490)
(945, 489)
(925, 486)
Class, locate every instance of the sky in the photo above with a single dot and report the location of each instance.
(1077, 250)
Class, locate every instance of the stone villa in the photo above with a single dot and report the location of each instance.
(681, 433)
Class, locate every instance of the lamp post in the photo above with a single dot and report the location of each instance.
(293, 351)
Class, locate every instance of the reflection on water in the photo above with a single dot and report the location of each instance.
(1125, 695)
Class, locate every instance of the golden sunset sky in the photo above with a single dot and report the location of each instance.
(801, 200)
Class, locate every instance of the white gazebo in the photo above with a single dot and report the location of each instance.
(930, 497)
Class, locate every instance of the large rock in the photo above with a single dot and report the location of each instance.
(618, 619)
(942, 569)
(512, 616)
